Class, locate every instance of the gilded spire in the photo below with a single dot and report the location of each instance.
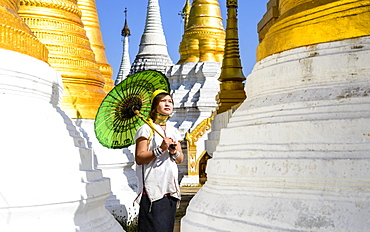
(58, 25)
(204, 36)
(306, 22)
(153, 52)
(124, 69)
(90, 20)
(232, 77)
(15, 35)
(185, 13)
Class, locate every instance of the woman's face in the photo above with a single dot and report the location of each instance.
(165, 105)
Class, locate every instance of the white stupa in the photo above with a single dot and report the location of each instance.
(295, 154)
(153, 54)
(48, 178)
(116, 164)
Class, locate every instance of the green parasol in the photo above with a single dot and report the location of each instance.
(126, 107)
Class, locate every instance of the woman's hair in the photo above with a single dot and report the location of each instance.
(155, 103)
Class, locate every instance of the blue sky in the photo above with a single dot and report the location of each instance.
(111, 17)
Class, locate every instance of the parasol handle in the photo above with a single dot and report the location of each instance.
(146, 121)
(172, 146)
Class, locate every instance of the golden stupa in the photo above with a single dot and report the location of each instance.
(58, 25)
(15, 35)
(90, 20)
(204, 37)
(290, 24)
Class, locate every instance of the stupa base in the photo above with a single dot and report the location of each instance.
(295, 154)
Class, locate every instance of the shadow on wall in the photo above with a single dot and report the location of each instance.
(91, 213)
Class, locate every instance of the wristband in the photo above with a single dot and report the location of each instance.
(176, 155)
(157, 152)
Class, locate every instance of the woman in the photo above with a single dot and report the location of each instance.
(157, 160)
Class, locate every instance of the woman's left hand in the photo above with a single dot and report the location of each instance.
(172, 148)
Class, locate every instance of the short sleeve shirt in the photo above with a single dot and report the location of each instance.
(161, 174)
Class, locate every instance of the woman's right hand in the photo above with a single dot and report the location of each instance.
(166, 143)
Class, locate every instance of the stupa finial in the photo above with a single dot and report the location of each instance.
(125, 66)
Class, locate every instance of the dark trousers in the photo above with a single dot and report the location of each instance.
(158, 216)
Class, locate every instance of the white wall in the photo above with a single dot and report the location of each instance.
(48, 181)
(295, 154)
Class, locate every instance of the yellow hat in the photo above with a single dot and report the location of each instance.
(155, 93)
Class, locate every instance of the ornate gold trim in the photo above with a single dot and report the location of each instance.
(192, 138)
(16, 36)
(68, 6)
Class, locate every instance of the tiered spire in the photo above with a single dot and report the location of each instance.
(124, 69)
(232, 77)
(185, 13)
(153, 52)
(204, 36)
(62, 31)
(91, 24)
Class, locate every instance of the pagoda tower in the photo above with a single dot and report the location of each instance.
(231, 92)
(125, 66)
(194, 79)
(70, 53)
(295, 155)
(49, 182)
(153, 54)
(91, 24)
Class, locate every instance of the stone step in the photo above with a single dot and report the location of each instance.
(91, 175)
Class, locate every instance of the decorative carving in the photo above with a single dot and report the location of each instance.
(16, 36)
(233, 3)
(70, 52)
(68, 6)
(192, 138)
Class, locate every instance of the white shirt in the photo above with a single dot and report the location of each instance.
(160, 174)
